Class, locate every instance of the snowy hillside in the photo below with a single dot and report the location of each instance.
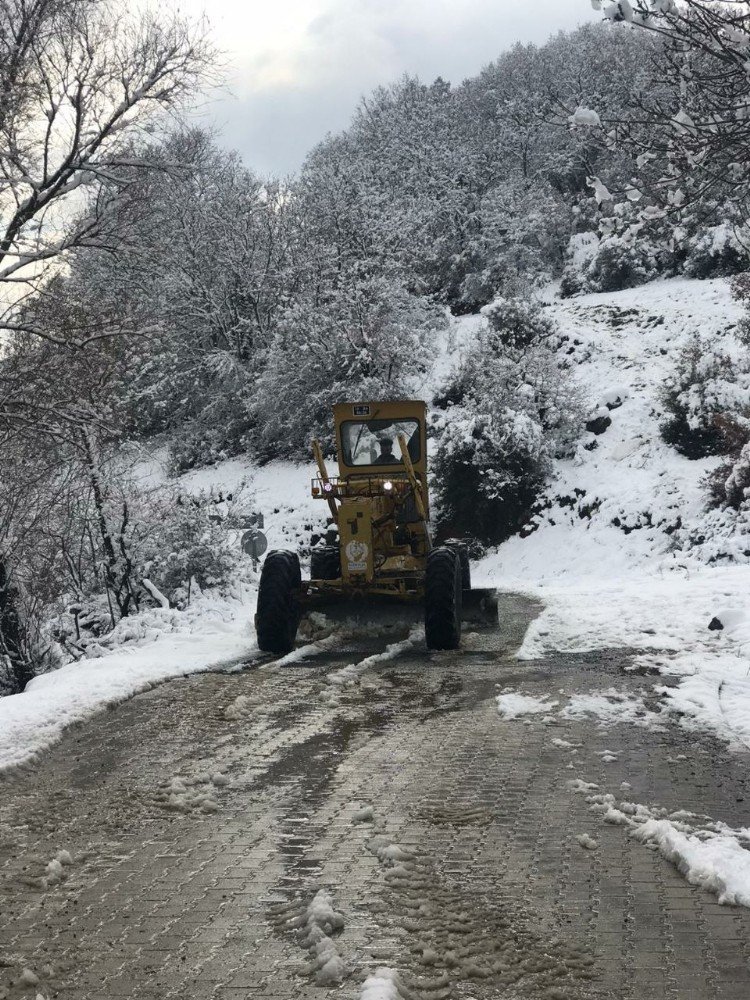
(610, 555)
(626, 493)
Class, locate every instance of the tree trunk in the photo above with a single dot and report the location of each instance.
(11, 635)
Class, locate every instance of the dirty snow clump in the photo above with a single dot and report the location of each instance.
(321, 920)
(364, 815)
(587, 842)
(512, 705)
(383, 985)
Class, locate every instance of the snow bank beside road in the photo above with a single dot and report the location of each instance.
(29, 722)
(709, 854)
(666, 621)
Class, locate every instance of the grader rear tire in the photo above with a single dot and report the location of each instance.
(325, 563)
(463, 554)
(442, 605)
(278, 612)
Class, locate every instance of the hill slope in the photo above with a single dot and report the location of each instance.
(611, 555)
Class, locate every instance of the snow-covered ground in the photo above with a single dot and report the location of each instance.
(607, 557)
(173, 644)
(162, 643)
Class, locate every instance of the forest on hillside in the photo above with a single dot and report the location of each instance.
(157, 288)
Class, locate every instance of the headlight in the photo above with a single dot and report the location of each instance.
(327, 487)
(388, 485)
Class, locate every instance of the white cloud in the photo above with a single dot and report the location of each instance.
(296, 68)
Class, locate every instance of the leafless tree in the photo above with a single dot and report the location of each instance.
(78, 79)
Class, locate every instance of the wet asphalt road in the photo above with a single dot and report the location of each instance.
(203, 818)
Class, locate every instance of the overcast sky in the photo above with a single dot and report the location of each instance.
(297, 68)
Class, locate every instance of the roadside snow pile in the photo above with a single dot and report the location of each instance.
(666, 622)
(709, 854)
(623, 552)
(31, 721)
(150, 624)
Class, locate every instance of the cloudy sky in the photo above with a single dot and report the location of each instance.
(297, 68)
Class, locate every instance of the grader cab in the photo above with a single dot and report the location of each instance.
(378, 544)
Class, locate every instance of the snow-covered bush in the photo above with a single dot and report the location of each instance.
(718, 250)
(505, 414)
(729, 485)
(580, 252)
(517, 323)
(184, 542)
(707, 401)
(621, 263)
(367, 340)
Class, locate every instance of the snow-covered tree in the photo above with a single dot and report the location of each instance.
(504, 415)
(369, 339)
(694, 127)
(707, 400)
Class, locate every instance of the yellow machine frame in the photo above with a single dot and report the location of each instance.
(381, 512)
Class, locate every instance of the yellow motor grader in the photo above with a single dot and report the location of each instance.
(378, 544)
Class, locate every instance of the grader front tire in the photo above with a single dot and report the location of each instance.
(443, 599)
(278, 612)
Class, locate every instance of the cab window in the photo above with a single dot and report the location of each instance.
(375, 442)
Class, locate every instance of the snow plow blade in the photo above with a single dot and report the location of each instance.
(479, 607)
